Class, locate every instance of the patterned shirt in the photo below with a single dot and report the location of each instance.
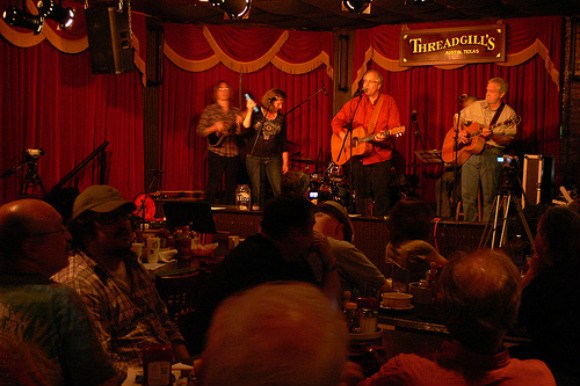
(46, 335)
(126, 319)
(212, 114)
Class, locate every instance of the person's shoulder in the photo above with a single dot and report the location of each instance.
(533, 370)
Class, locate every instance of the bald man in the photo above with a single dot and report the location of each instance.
(284, 333)
(46, 336)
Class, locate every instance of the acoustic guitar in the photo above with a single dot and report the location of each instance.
(476, 146)
(359, 142)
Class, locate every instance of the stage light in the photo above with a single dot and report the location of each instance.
(24, 19)
(357, 6)
(235, 9)
(63, 16)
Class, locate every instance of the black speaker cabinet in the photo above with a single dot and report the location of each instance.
(538, 179)
(109, 40)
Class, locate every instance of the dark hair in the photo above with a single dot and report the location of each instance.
(83, 228)
(284, 212)
(295, 182)
(274, 93)
(558, 230)
(479, 294)
(410, 219)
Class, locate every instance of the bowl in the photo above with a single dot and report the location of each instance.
(396, 300)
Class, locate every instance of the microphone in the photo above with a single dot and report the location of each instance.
(462, 97)
(273, 99)
(414, 115)
(248, 97)
(324, 89)
(359, 92)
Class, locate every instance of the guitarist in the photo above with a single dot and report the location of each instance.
(483, 167)
(375, 112)
(220, 124)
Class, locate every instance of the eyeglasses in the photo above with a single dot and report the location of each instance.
(370, 81)
(113, 217)
(223, 88)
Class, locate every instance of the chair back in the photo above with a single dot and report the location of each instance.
(179, 292)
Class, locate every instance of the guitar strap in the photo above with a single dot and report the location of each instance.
(375, 115)
(497, 114)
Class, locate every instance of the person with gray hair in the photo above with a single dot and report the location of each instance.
(46, 334)
(284, 333)
(479, 295)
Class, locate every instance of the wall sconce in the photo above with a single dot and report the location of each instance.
(357, 6)
(63, 16)
(234, 9)
(24, 19)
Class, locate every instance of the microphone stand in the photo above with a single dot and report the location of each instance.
(321, 89)
(349, 130)
(456, 161)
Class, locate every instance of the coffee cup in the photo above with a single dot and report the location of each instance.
(137, 248)
(153, 246)
(396, 300)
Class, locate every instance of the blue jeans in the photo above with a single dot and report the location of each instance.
(482, 168)
(272, 168)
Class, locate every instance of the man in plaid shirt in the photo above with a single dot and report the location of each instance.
(120, 295)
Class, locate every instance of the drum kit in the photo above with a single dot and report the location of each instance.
(330, 183)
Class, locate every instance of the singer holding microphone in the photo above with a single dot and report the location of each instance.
(267, 145)
(497, 129)
(375, 112)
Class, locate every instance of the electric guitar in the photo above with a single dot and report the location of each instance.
(359, 142)
(476, 146)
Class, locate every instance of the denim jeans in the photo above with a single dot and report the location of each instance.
(272, 167)
(482, 168)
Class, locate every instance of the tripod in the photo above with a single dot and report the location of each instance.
(504, 199)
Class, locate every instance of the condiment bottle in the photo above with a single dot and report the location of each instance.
(350, 316)
(157, 365)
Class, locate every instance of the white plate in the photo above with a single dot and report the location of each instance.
(398, 308)
(218, 207)
(369, 336)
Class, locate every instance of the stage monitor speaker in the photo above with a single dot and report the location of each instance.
(109, 40)
(538, 179)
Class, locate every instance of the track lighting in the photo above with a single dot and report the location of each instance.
(63, 16)
(24, 19)
(235, 9)
(357, 6)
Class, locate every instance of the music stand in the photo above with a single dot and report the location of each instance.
(195, 214)
(429, 156)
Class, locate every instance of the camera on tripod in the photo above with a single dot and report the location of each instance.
(509, 175)
(32, 154)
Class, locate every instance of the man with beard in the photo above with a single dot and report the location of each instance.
(120, 295)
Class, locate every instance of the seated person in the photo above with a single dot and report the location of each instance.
(479, 296)
(119, 293)
(409, 225)
(284, 333)
(46, 334)
(550, 300)
(357, 273)
(279, 252)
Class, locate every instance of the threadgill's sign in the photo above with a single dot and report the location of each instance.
(477, 44)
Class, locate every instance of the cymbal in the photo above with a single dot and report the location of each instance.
(307, 161)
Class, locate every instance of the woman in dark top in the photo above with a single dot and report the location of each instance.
(550, 307)
(267, 144)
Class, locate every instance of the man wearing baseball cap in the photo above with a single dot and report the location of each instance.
(120, 295)
(357, 273)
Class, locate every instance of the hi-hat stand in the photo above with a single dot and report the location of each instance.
(504, 200)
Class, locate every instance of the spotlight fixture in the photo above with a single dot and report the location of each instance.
(357, 6)
(235, 9)
(24, 19)
(63, 16)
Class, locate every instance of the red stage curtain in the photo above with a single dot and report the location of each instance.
(52, 101)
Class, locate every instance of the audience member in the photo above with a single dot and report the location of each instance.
(550, 300)
(409, 225)
(357, 273)
(279, 252)
(275, 334)
(119, 293)
(46, 335)
(479, 295)
(295, 182)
